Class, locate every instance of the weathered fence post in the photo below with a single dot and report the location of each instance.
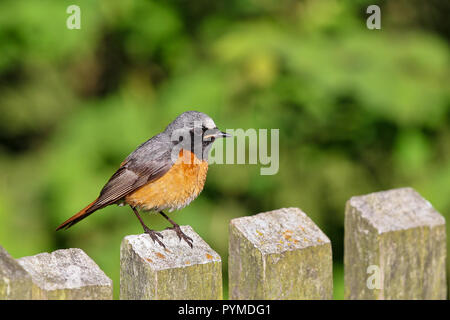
(15, 282)
(279, 254)
(148, 271)
(395, 247)
(67, 274)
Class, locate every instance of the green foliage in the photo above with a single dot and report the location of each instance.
(358, 111)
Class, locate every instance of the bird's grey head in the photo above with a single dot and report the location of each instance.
(194, 131)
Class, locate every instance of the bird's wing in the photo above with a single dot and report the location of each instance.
(147, 163)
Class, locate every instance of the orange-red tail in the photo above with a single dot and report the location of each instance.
(79, 216)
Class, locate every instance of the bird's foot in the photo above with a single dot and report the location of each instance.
(154, 235)
(181, 235)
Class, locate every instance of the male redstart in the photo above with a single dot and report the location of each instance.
(166, 172)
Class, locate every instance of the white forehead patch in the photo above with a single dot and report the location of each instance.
(209, 123)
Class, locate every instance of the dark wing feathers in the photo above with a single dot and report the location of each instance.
(118, 186)
(147, 163)
(125, 181)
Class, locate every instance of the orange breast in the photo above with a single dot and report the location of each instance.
(174, 190)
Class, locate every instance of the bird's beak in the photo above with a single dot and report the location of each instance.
(216, 133)
(224, 135)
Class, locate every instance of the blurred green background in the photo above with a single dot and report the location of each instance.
(358, 110)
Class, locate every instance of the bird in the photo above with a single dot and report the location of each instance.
(165, 173)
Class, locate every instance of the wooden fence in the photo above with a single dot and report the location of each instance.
(395, 248)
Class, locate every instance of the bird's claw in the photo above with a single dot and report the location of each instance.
(154, 235)
(182, 235)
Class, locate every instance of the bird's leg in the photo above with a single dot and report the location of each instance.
(177, 229)
(152, 233)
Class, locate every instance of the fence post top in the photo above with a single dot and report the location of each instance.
(64, 269)
(177, 253)
(396, 209)
(10, 267)
(280, 230)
